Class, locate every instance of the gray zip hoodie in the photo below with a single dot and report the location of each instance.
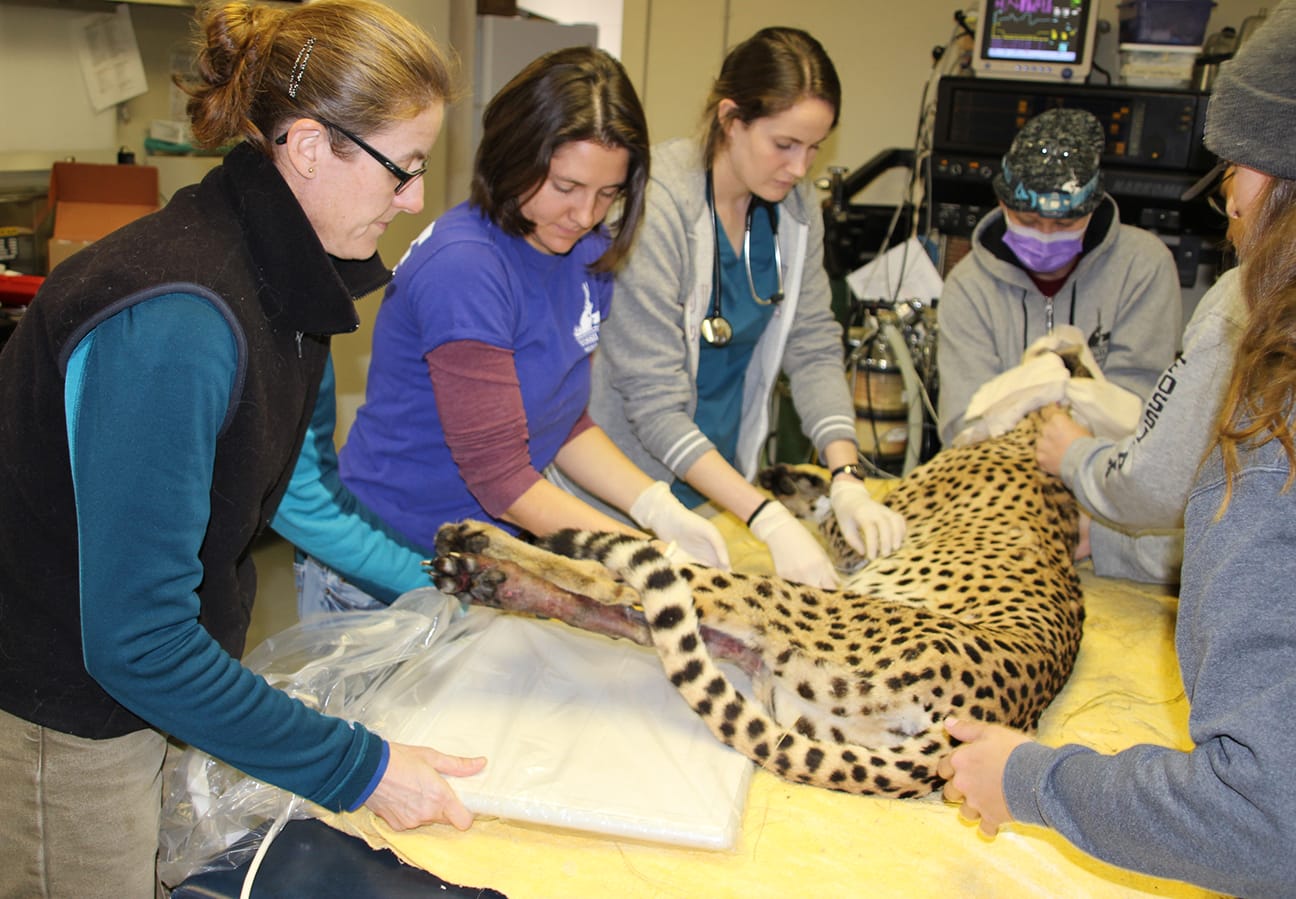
(644, 390)
(1123, 295)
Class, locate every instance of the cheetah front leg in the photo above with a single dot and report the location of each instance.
(580, 576)
(484, 565)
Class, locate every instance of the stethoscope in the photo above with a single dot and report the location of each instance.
(716, 329)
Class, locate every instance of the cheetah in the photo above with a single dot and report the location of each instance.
(978, 614)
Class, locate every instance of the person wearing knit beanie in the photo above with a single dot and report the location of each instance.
(1253, 101)
(1215, 811)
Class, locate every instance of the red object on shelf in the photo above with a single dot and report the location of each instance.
(18, 290)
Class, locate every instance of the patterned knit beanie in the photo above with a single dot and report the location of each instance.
(1051, 168)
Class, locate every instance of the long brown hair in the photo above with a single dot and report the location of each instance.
(354, 63)
(1261, 397)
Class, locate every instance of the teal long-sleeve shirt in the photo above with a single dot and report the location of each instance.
(146, 393)
(320, 516)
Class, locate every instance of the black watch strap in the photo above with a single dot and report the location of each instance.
(850, 468)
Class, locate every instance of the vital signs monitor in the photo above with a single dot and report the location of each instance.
(1037, 40)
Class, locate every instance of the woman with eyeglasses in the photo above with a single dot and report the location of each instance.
(724, 290)
(156, 394)
(1216, 812)
(479, 379)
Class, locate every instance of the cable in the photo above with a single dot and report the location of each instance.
(918, 199)
(913, 386)
(276, 826)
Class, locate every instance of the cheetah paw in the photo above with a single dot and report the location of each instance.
(463, 577)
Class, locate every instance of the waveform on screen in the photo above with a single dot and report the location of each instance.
(1025, 6)
(1024, 24)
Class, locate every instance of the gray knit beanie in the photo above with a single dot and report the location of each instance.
(1251, 119)
(1052, 166)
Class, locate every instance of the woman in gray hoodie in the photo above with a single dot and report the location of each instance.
(1053, 253)
(726, 288)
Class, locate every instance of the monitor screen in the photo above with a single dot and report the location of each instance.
(1042, 40)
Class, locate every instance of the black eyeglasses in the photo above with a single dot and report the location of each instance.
(1218, 199)
(403, 178)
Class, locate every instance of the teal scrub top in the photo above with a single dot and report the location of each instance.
(722, 369)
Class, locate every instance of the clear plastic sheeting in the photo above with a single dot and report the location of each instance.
(580, 731)
(212, 814)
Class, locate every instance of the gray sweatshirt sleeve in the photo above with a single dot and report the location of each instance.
(1141, 481)
(813, 357)
(1149, 322)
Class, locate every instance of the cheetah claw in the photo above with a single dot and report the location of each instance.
(462, 576)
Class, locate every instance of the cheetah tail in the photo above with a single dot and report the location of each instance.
(742, 724)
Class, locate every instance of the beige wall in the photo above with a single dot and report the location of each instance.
(672, 49)
(881, 48)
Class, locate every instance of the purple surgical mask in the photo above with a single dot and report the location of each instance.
(1042, 252)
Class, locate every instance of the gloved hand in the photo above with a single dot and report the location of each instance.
(798, 556)
(657, 510)
(868, 526)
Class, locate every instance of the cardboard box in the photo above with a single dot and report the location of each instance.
(89, 200)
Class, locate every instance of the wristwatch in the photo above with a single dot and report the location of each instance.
(852, 469)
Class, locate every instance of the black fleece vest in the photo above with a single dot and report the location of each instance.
(241, 240)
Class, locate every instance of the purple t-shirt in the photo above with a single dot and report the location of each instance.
(465, 279)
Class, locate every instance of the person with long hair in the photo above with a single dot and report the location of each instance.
(1218, 814)
(724, 291)
(480, 375)
(157, 392)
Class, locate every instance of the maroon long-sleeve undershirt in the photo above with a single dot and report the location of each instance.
(479, 401)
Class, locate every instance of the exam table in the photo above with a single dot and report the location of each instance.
(796, 840)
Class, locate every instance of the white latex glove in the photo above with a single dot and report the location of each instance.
(657, 510)
(798, 556)
(868, 526)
